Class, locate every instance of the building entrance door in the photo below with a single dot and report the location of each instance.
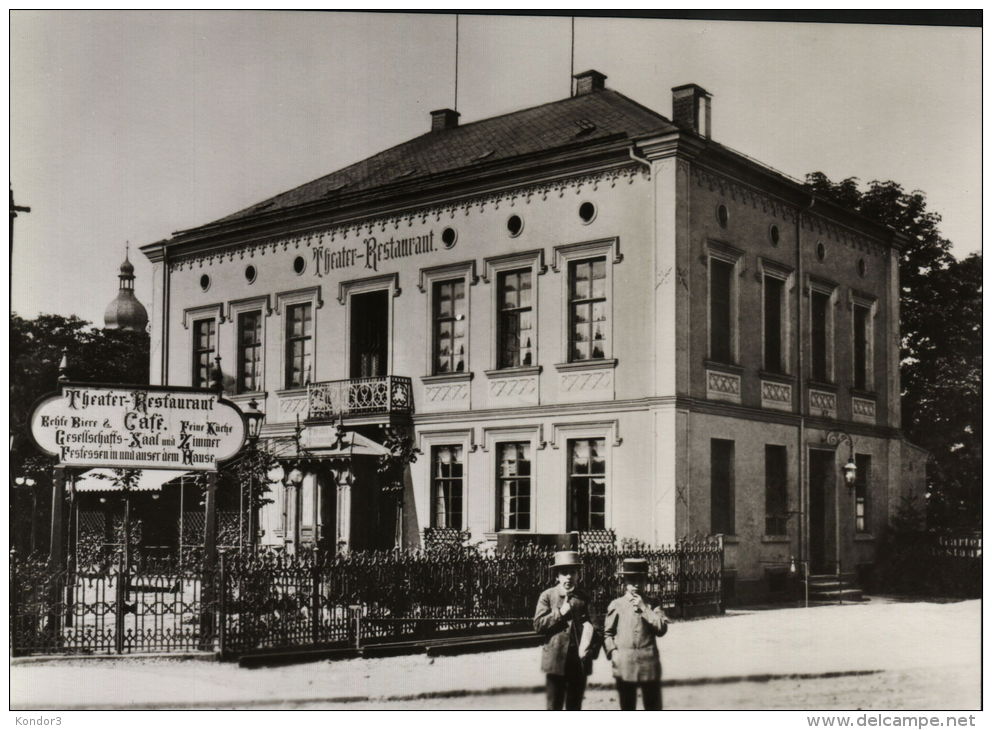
(370, 334)
(822, 482)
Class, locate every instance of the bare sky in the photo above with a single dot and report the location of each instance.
(132, 125)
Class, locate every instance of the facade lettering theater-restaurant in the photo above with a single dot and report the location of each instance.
(587, 316)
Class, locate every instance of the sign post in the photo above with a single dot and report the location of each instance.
(208, 594)
(56, 556)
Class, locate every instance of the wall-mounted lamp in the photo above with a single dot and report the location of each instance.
(253, 420)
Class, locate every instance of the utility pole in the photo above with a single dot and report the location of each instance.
(14, 210)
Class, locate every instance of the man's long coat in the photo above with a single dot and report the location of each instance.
(560, 632)
(630, 640)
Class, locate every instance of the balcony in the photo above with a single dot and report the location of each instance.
(362, 398)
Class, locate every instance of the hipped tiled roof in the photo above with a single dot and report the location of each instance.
(561, 124)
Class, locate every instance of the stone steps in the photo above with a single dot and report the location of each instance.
(834, 589)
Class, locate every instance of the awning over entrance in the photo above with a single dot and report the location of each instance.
(102, 480)
(341, 444)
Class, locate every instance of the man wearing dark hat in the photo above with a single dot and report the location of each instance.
(562, 615)
(630, 631)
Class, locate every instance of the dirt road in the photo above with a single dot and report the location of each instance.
(908, 655)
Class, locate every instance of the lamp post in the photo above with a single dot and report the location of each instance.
(850, 471)
(253, 421)
(29, 483)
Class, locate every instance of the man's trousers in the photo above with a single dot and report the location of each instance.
(650, 693)
(567, 689)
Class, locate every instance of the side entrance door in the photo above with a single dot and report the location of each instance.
(822, 483)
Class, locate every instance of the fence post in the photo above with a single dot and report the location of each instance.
(720, 605)
(315, 621)
(15, 622)
(208, 565)
(355, 623)
(222, 605)
(120, 592)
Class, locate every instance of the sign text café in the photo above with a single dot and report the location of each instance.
(138, 428)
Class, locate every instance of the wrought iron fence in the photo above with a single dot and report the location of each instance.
(359, 397)
(257, 601)
(148, 606)
(279, 601)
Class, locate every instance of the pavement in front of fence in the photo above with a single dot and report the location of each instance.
(741, 646)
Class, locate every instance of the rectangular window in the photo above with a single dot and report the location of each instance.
(861, 345)
(862, 499)
(776, 491)
(820, 308)
(249, 352)
(513, 488)
(774, 289)
(516, 333)
(450, 327)
(448, 473)
(587, 484)
(587, 339)
(204, 344)
(721, 487)
(721, 310)
(299, 345)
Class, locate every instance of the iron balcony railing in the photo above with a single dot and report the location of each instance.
(359, 397)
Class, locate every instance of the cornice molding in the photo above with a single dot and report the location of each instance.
(740, 192)
(744, 193)
(389, 282)
(680, 403)
(463, 269)
(509, 198)
(534, 259)
(558, 430)
(834, 231)
(466, 435)
(262, 301)
(204, 311)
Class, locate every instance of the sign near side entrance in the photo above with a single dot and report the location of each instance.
(138, 428)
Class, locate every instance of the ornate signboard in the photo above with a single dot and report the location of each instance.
(137, 427)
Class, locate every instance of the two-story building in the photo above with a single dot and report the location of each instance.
(587, 316)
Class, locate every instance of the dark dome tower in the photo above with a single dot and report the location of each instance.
(126, 312)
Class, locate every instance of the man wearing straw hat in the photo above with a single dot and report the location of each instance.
(562, 617)
(630, 631)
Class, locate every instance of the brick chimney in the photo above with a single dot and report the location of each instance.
(588, 82)
(444, 119)
(691, 109)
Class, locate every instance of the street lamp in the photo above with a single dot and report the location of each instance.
(850, 471)
(253, 423)
(29, 483)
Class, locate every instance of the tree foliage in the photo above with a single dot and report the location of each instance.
(94, 355)
(941, 323)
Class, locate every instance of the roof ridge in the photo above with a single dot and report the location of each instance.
(525, 109)
(519, 131)
(398, 144)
